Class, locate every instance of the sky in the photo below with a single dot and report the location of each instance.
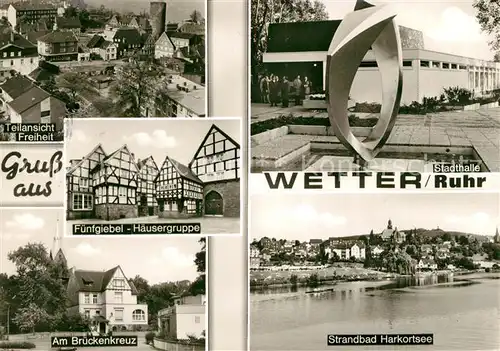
(448, 26)
(176, 138)
(313, 216)
(156, 259)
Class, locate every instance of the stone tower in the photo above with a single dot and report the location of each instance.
(158, 18)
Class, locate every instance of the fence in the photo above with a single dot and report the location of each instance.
(176, 346)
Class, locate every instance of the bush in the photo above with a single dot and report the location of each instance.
(16, 345)
(458, 96)
(149, 337)
(313, 280)
(294, 279)
(269, 124)
(366, 107)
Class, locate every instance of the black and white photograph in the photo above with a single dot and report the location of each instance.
(374, 85)
(120, 58)
(361, 264)
(157, 172)
(52, 286)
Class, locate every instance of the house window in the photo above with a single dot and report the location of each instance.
(197, 319)
(118, 283)
(118, 297)
(118, 314)
(45, 119)
(83, 183)
(82, 202)
(19, 53)
(138, 315)
(94, 298)
(86, 299)
(407, 63)
(12, 54)
(4, 54)
(87, 313)
(123, 192)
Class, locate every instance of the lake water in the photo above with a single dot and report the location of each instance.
(461, 312)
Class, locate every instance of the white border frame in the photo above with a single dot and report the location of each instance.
(212, 120)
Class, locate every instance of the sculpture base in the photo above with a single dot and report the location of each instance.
(346, 164)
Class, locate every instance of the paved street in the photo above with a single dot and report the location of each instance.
(209, 225)
(478, 129)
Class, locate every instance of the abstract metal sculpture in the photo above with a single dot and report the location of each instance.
(367, 27)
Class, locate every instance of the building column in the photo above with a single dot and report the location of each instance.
(324, 74)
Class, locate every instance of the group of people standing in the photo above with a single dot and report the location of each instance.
(274, 90)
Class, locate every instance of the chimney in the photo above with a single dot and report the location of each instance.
(11, 36)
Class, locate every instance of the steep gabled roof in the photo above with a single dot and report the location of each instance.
(72, 169)
(58, 37)
(206, 137)
(110, 156)
(16, 86)
(30, 98)
(95, 41)
(95, 281)
(142, 162)
(184, 171)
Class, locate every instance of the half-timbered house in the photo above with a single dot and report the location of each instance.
(80, 191)
(217, 164)
(179, 192)
(115, 181)
(146, 192)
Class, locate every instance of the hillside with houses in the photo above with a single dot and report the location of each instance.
(391, 251)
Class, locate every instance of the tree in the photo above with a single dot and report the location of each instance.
(198, 286)
(196, 17)
(135, 88)
(488, 16)
(38, 278)
(265, 12)
(74, 84)
(27, 318)
(497, 57)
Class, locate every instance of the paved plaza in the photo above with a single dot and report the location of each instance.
(209, 225)
(478, 129)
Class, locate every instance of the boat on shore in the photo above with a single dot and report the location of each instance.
(319, 290)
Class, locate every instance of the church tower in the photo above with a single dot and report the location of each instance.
(496, 238)
(59, 258)
(389, 224)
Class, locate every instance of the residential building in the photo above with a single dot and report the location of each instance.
(426, 263)
(4, 10)
(164, 47)
(217, 164)
(116, 186)
(30, 12)
(108, 298)
(376, 251)
(184, 99)
(254, 257)
(178, 190)
(301, 48)
(24, 102)
(107, 50)
(184, 40)
(192, 28)
(358, 251)
(146, 192)
(148, 45)
(342, 251)
(128, 40)
(184, 319)
(17, 54)
(72, 24)
(58, 46)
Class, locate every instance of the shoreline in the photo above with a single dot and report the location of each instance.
(375, 277)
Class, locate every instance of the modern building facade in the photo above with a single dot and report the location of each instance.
(184, 319)
(30, 12)
(108, 299)
(301, 49)
(115, 186)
